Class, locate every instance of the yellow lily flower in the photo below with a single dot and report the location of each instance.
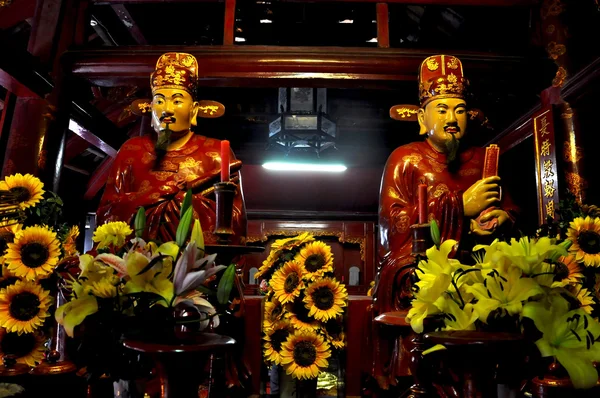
(493, 258)
(155, 280)
(570, 336)
(506, 292)
(429, 300)
(460, 319)
(75, 311)
(527, 254)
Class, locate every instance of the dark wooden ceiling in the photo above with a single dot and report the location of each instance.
(295, 44)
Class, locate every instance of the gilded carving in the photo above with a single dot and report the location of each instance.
(440, 190)
(161, 175)
(560, 77)
(432, 64)
(339, 234)
(550, 208)
(437, 166)
(575, 183)
(452, 64)
(572, 154)
(406, 112)
(392, 193)
(545, 150)
(413, 158)
(210, 109)
(144, 107)
(469, 172)
(555, 50)
(148, 158)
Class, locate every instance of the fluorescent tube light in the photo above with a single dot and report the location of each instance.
(287, 166)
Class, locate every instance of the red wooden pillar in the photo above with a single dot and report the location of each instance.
(383, 26)
(228, 27)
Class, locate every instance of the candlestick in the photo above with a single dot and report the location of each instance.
(422, 197)
(225, 151)
(224, 194)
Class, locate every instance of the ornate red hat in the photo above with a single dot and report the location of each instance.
(175, 70)
(441, 76)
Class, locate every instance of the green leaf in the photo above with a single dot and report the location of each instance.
(205, 290)
(435, 233)
(140, 222)
(187, 202)
(183, 229)
(225, 285)
(437, 347)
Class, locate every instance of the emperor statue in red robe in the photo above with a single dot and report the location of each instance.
(156, 171)
(456, 195)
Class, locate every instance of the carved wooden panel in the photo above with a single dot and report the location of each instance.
(352, 245)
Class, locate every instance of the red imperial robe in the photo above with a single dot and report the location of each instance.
(407, 167)
(138, 179)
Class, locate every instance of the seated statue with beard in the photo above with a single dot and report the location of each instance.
(456, 193)
(156, 171)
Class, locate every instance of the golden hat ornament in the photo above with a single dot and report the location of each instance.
(175, 70)
(441, 76)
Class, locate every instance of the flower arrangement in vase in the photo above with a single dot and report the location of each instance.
(152, 291)
(532, 286)
(303, 308)
(33, 242)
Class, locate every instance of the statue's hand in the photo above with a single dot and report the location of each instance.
(481, 195)
(498, 214)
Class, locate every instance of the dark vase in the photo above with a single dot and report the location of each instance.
(306, 388)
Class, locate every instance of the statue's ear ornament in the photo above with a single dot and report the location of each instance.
(210, 109)
(141, 106)
(405, 113)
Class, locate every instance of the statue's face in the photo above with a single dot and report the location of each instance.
(443, 119)
(175, 107)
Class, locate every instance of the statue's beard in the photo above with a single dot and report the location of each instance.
(452, 147)
(163, 140)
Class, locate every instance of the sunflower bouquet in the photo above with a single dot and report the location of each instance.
(143, 290)
(534, 279)
(33, 242)
(303, 308)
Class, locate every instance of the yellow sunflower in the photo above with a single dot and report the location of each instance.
(70, 243)
(586, 299)
(274, 338)
(585, 235)
(567, 272)
(8, 231)
(325, 299)
(34, 253)
(267, 264)
(8, 278)
(298, 315)
(112, 233)
(26, 348)
(316, 258)
(23, 307)
(287, 282)
(304, 355)
(274, 312)
(289, 243)
(334, 333)
(26, 188)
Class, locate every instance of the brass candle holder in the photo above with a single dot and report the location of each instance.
(224, 193)
(421, 241)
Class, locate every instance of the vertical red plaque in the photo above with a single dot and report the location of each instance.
(545, 163)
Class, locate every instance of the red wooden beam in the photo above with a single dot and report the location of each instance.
(273, 65)
(383, 26)
(477, 3)
(228, 27)
(16, 12)
(130, 24)
(13, 85)
(522, 128)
